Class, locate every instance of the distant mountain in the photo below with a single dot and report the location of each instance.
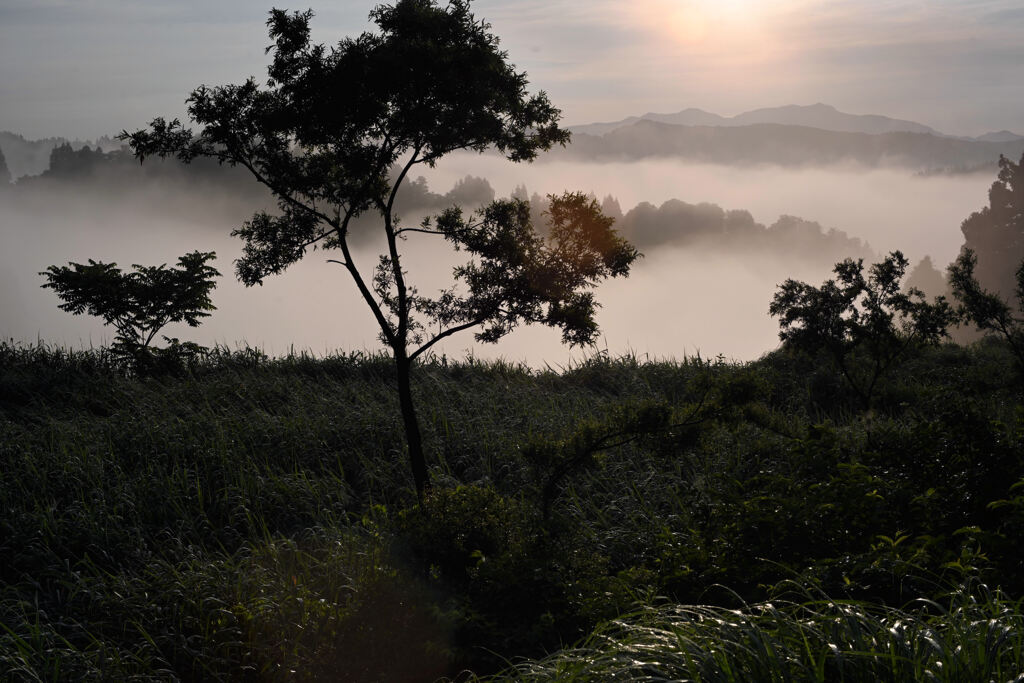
(786, 145)
(999, 136)
(829, 118)
(109, 175)
(687, 117)
(823, 116)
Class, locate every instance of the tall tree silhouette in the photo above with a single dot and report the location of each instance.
(995, 234)
(324, 136)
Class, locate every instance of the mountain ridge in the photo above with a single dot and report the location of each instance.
(818, 115)
(789, 145)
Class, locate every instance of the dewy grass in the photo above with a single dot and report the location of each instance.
(242, 519)
(978, 636)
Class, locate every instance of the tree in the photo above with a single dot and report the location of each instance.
(855, 313)
(470, 191)
(5, 174)
(987, 310)
(140, 303)
(995, 234)
(68, 163)
(927, 278)
(335, 133)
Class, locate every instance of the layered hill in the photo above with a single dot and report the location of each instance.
(818, 115)
(788, 145)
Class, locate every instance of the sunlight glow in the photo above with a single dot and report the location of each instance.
(732, 33)
(695, 46)
(692, 22)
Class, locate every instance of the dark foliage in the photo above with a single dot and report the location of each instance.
(871, 315)
(985, 309)
(141, 303)
(5, 173)
(253, 517)
(995, 234)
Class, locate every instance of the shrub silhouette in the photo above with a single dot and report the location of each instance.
(853, 313)
(140, 303)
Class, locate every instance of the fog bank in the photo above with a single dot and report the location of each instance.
(678, 301)
(886, 208)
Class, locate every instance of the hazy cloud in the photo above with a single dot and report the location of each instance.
(88, 67)
(692, 270)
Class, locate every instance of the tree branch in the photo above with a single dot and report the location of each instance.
(438, 154)
(447, 333)
(423, 230)
(385, 326)
(289, 198)
(396, 265)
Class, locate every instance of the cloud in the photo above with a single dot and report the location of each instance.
(67, 66)
(49, 13)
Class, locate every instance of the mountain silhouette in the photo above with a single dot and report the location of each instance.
(788, 145)
(822, 116)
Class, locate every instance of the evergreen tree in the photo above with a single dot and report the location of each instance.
(995, 234)
(5, 174)
(927, 278)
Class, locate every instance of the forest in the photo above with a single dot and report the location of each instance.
(845, 507)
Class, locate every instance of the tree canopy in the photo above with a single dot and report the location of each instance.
(852, 313)
(995, 233)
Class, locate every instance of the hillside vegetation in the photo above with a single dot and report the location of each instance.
(253, 518)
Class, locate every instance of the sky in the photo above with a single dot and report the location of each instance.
(86, 68)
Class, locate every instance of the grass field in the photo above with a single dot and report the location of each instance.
(253, 518)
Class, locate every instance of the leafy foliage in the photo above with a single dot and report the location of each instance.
(519, 277)
(139, 303)
(854, 313)
(326, 134)
(987, 310)
(288, 545)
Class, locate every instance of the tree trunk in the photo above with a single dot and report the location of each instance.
(417, 460)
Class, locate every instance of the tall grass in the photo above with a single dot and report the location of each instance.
(138, 515)
(978, 635)
(250, 518)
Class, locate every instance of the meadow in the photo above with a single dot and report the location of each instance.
(240, 517)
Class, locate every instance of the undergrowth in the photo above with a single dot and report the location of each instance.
(240, 517)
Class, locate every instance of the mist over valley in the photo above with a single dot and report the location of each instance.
(754, 403)
(717, 240)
